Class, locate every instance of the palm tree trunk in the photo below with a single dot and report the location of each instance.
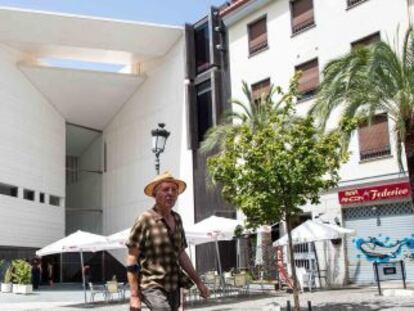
(292, 265)
(409, 154)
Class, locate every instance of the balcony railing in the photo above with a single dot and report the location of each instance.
(354, 2)
(375, 153)
(303, 25)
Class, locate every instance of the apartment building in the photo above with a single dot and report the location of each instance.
(268, 40)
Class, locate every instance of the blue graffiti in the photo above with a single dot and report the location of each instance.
(381, 249)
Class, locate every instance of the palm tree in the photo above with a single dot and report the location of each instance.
(371, 80)
(255, 112)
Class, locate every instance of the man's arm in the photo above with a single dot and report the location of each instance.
(187, 266)
(132, 259)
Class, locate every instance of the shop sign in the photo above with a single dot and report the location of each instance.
(376, 193)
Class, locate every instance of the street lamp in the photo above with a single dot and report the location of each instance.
(159, 138)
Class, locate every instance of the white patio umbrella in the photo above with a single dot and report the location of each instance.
(212, 229)
(311, 231)
(79, 241)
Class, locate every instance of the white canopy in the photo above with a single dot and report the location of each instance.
(213, 228)
(311, 231)
(79, 241)
(208, 230)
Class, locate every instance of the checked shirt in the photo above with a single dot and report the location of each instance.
(159, 250)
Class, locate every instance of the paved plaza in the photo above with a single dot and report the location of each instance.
(361, 299)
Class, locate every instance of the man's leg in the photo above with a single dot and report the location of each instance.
(156, 299)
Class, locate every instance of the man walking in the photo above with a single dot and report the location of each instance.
(156, 251)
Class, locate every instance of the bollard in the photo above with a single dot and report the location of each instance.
(288, 308)
(309, 306)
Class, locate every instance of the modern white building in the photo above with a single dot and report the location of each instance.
(268, 40)
(75, 148)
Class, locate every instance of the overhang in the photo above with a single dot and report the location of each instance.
(83, 97)
(41, 34)
(89, 98)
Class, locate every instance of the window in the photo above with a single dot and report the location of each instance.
(204, 109)
(8, 190)
(366, 41)
(28, 195)
(260, 88)
(309, 80)
(72, 169)
(354, 2)
(202, 48)
(257, 36)
(374, 139)
(41, 197)
(302, 14)
(54, 200)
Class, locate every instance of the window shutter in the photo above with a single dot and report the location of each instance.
(257, 35)
(374, 140)
(366, 41)
(309, 81)
(260, 88)
(302, 14)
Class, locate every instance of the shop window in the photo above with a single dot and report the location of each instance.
(28, 195)
(374, 138)
(204, 109)
(54, 200)
(202, 48)
(8, 190)
(366, 41)
(309, 80)
(257, 33)
(41, 197)
(302, 15)
(259, 89)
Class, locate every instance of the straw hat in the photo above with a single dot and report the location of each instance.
(166, 176)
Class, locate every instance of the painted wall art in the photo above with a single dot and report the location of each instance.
(383, 249)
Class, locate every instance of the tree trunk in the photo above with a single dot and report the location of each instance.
(292, 265)
(409, 155)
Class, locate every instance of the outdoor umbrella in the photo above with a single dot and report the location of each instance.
(79, 241)
(311, 231)
(213, 229)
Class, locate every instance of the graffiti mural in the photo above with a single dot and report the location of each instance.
(378, 249)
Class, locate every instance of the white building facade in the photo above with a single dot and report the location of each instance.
(75, 148)
(267, 42)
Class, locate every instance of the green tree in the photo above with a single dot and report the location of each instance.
(269, 172)
(370, 80)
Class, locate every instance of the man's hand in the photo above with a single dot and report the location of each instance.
(204, 291)
(134, 303)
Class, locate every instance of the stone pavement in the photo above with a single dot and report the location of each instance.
(364, 299)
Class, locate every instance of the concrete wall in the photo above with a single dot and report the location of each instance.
(130, 162)
(336, 27)
(84, 198)
(32, 156)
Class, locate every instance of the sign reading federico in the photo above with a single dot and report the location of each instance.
(376, 193)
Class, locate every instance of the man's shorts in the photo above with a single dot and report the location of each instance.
(158, 299)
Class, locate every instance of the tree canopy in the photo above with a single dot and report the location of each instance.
(269, 172)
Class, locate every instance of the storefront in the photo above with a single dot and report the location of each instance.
(383, 219)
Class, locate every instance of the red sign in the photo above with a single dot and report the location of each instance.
(377, 193)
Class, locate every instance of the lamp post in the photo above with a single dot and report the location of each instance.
(159, 138)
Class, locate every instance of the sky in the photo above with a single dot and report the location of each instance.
(170, 12)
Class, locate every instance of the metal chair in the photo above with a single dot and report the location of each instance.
(97, 289)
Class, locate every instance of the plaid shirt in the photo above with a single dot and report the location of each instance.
(159, 250)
